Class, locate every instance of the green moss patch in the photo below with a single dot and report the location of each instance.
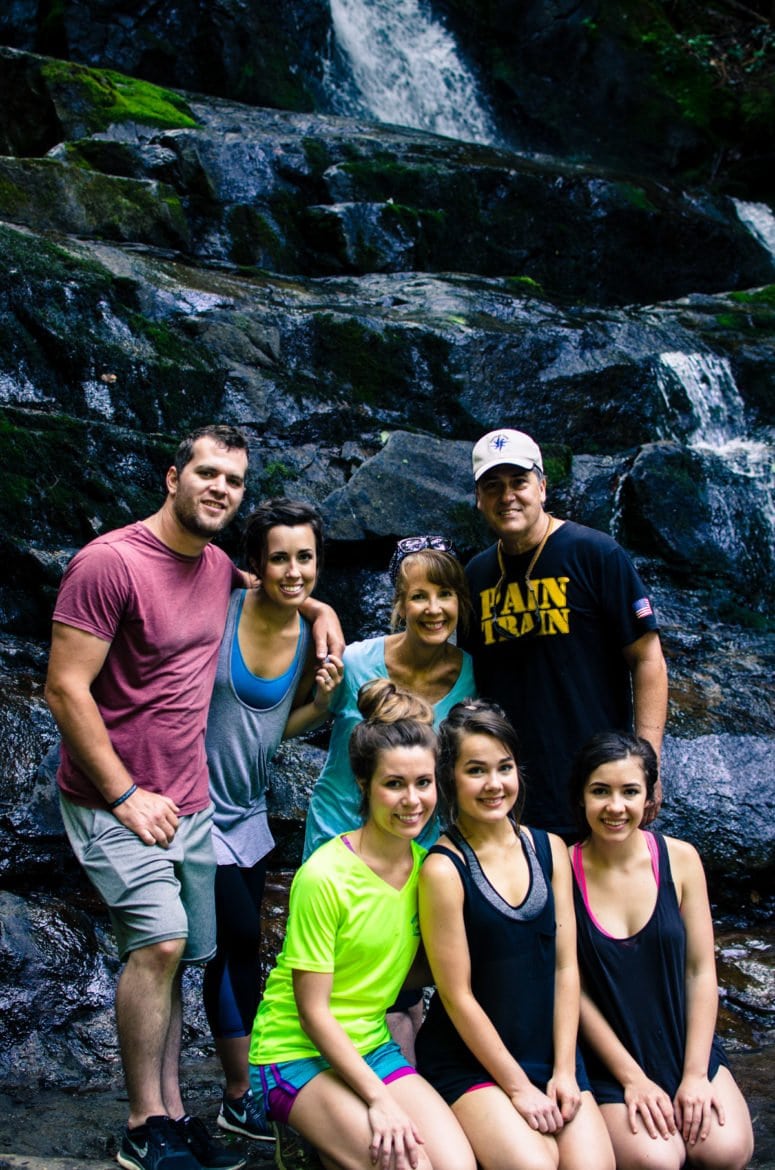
(102, 97)
(760, 296)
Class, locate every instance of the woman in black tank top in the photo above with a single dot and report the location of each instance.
(645, 943)
(496, 916)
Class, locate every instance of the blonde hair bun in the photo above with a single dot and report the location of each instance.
(381, 701)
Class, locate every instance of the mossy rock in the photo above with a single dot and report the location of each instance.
(94, 99)
(72, 336)
(49, 195)
(70, 480)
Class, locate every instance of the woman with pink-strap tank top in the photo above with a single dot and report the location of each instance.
(649, 992)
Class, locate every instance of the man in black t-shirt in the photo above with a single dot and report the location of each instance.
(564, 637)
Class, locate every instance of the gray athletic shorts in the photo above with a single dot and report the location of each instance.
(153, 894)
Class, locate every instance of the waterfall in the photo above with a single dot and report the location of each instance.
(717, 407)
(393, 62)
(719, 427)
(759, 220)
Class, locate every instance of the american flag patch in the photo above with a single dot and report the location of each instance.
(642, 608)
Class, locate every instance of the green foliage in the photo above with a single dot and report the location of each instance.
(525, 284)
(731, 612)
(274, 478)
(760, 296)
(683, 76)
(754, 311)
(316, 153)
(717, 63)
(558, 463)
(636, 196)
(107, 97)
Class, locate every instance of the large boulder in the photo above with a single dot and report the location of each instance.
(416, 483)
(719, 794)
(703, 515)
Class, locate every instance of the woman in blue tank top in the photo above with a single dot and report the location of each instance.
(649, 1002)
(263, 693)
(496, 916)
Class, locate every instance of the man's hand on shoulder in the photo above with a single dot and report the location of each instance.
(651, 811)
(326, 629)
(152, 817)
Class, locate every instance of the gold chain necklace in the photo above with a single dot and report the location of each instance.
(538, 550)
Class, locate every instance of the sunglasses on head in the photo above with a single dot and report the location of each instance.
(413, 544)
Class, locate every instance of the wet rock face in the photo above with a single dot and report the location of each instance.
(695, 510)
(718, 797)
(57, 968)
(622, 84)
(313, 195)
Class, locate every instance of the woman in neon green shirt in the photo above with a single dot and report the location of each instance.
(321, 1054)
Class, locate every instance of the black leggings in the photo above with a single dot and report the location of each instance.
(231, 979)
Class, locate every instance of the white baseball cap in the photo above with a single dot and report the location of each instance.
(512, 447)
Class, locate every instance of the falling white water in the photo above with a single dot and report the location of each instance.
(759, 220)
(717, 407)
(393, 62)
(719, 428)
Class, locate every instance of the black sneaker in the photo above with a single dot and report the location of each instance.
(157, 1145)
(246, 1117)
(209, 1154)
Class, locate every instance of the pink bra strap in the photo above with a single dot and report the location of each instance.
(651, 841)
(577, 863)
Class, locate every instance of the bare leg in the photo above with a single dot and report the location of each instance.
(170, 1068)
(233, 1055)
(500, 1136)
(444, 1141)
(144, 1007)
(728, 1146)
(640, 1151)
(334, 1119)
(584, 1142)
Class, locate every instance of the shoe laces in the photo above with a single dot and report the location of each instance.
(196, 1130)
(166, 1133)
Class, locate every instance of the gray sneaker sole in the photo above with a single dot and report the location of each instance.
(224, 1123)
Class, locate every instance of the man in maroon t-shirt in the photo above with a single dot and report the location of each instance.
(137, 627)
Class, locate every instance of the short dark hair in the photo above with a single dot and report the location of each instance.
(441, 568)
(226, 436)
(392, 718)
(280, 510)
(603, 748)
(473, 717)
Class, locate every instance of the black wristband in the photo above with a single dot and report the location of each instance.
(124, 796)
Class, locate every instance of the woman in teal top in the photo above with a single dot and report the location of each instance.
(430, 597)
(321, 1056)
